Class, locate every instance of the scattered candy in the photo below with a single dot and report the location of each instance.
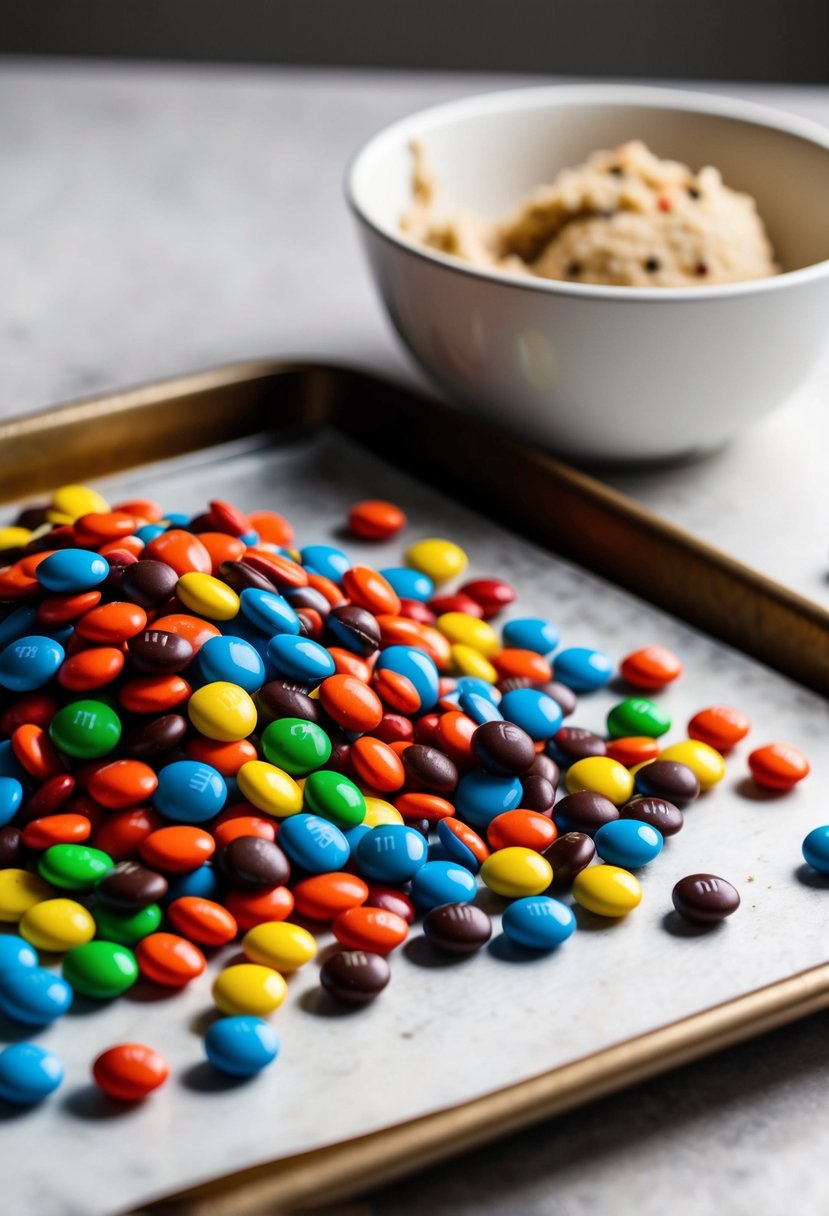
(129, 1071)
(241, 1046)
(705, 899)
(778, 766)
(28, 1074)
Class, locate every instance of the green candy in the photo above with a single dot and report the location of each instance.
(75, 867)
(334, 797)
(85, 729)
(126, 928)
(296, 746)
(100, 969)
(637, 716)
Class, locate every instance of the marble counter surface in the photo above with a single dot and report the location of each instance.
(157, 220)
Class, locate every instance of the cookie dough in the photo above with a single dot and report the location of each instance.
(625, 218)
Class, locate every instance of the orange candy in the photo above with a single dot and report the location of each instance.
(286, 574)
(56, 829)
(328, 588)
(202, 921)
(372, 929)
(633, 749)
(371, 590)
(142, 509)
(272, 528)
(352, 704)
(374, 519)
(177, 849)
(512, 662)
(778, 766)
(651, 667)
(122, 832)
(97, 528)
(399, 631)
(454, 734)
(36, 752)
(192, 628)
(181, 550)
(169, 960)
(324, 896)
(129, 1071)
(130, 545)
(222, 548)
(230, 826)
(91, 668)
(252, 908)
(227, 758)
(377, 764)
(424, 806)
(59, 609)
(123, 783)
(719, 726)
(466, 835)
(525, 829)
(115, 622)
(349, 664)
(153, 694)
(397, 691)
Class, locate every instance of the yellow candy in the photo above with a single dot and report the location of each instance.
(704, 761)
(57, 925)
(249, 988)
(208, 596)
(467, 661)
(269, 788)
(222, 711)
(601, 775)
(19, 890)
(379, 812)
(72, 502)
(437, 558)
(607, 890)
(281, 945)
(14, 538)
(516, 872)
(466, 630)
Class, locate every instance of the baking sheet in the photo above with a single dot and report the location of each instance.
(442, 1034)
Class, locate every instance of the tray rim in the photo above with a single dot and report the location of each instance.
(337, 1170)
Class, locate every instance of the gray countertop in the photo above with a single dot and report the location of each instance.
(158, 220)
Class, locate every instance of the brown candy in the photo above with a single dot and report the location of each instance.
(572, 743)
(503, 748)
(658, 812)
(11, 847)
(705, 899)
(252, 863)
(131, 886)
(544, 766)
(242, 576)
(354, 977)
(284, 699)
(148, 582)
(457, 928)
(154, 737)
(585, 812)
(156, 651)
(668, 779)
(430, 768)
(538, 794)
(359, 625)
(569, 855)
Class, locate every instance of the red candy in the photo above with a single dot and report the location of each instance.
(129, 1071)
(169, 960)
(178, 849)
(374, 519)
(650, 668)
(492, 594)
(323, 896)
(720, 727)
(367, 928)
(778, 766)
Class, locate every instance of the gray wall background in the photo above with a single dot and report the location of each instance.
(762, 40)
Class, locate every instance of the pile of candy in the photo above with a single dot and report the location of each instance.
(204, 731)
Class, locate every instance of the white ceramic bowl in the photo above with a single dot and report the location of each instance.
(590, 371)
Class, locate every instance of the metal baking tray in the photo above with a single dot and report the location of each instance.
(310, 436)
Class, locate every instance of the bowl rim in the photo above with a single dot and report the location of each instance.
(558, 96)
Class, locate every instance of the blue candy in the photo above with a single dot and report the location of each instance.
(203, 882)
(30, 662)
(417, 667)
(442, 882)
(232, 659)
(189, 791)
(536, 713)
(355, 835)
(475, 684)
(176, 519)
(481, 796)
(455, 850)
(582, 668)
(409, 584)
(71, 570)
(28, 1073)
(531, 633)
(479, 709)
(300, 658)
(628, 843)
(816, 849)
(269, 612)
(391, 853)
(150, 531)
(325, 560)
(15, 952)
(241, 1045)
(538, 922)
(11, 796)
(33, 995)
(313, 843)
(10, 766)
(16, 624)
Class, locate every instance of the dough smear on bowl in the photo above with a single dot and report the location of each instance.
(624, 218)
